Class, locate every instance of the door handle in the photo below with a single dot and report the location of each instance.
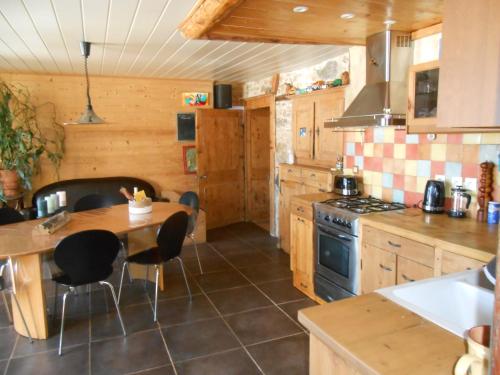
(203, 177)
(407, 278)
(385, 268)
(393, 244)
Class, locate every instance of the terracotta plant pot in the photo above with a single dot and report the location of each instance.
(9, 180)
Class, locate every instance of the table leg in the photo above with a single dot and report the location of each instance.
(30, 294)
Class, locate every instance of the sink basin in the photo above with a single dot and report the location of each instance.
(455, 302)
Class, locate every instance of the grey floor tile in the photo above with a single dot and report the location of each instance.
(175, 287)
(184, 310)
(204, 251)
(287, 356)
(121, 355)
(234, 362)
(211, 264)
(232, 247)
(3, 365)
(4, 320)
(236, 300)
(281, 291)
(7, 340)
(248, 258)
(221, 280)
(163, 370)
(262, 324)
(199, 339)
(292, 308)
(267, 272)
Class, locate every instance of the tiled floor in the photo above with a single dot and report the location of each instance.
(241, 320)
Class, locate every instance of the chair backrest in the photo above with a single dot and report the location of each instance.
(171, 235)
(90, 202)
(85, 256)
(8, 215)
(190, 198)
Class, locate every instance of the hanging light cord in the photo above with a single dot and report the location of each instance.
(88, 83)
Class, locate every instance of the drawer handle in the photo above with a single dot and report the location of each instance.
(303, 285)
(393, 244)
(407, 278)
(322, 190)
(289, 171)
(468, 268)
(385, 268)
(299, 219)
(313, 175)
(300, 209)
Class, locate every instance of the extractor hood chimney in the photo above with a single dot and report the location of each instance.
(383, 100)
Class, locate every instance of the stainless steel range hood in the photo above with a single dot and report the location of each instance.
(383, 100)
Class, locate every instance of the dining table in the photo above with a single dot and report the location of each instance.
(26, 246)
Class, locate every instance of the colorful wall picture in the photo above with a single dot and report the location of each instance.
(190, 160)
(195, 99)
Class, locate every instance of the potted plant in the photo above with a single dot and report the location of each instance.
(24, 138)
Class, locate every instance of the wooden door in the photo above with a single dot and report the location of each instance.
(219, 141)
(301, 253)
(287, 190)
(379, 268)
(409, 271)
(257, 136)
(303, 127)
(328, 144)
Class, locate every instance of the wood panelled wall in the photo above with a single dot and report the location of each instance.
(139, 137)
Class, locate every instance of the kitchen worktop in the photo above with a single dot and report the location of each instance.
(377, 336)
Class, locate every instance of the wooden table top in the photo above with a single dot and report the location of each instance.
(381, 337)
(20, 238)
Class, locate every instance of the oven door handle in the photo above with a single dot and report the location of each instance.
(339, 236)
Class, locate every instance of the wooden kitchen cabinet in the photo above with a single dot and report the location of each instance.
(408, 271)
(303, 127)
(378, 268)
(451, 263)
(287, 190)
(302, 253)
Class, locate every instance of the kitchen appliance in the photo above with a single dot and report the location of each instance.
(337, 251)
(383, 100)
(460, 202)
(434, 197)
(345, 185)
(223, 96)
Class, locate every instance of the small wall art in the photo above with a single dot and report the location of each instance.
(190, 159)
(195, 99)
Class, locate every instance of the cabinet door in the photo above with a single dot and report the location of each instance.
(409, 271)
(301, 253)
(303, 125)
(287, 190)
(328, 143)
(379, 269)
(452, 263)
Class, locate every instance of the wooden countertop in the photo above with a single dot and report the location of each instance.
(381, 337)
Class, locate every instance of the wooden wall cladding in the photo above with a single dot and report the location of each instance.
(139, 137)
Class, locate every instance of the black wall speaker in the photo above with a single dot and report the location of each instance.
(223, 96)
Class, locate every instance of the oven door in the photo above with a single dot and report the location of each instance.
(337, 257)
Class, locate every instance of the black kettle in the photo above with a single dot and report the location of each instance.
(434, 197)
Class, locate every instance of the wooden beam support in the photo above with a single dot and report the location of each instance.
(275, 83)
(204, 15)
(431, 30)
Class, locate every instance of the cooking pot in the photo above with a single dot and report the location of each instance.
(345, 185)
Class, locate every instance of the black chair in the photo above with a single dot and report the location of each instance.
(8, 215)
(169, 239)
(190, 198)
(85, 258)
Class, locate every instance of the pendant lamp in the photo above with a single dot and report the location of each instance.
(88, 115)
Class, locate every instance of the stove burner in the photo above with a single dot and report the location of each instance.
(361, 205)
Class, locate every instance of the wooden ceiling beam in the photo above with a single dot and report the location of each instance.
(205, 15)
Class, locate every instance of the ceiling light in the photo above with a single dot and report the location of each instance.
(88, 115)
(347, 16)
(389, 22)
(300, 9)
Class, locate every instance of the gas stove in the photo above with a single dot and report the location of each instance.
(343, 213)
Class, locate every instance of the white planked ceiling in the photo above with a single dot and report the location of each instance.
(134, 38)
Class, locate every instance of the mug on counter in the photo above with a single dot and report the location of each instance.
(476, 360)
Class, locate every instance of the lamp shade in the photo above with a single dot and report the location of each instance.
(90, 117)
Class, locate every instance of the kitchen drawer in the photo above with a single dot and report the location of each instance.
(319, 179)
(401, 246)
(304, 283)
(452, 263)
(408, 271)
(290, 172)
(302, 209)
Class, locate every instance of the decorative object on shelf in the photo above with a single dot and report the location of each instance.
(318, 85)
(289, 89)
(54, 223)
(26, 134)
(189, 158)
(485, 189)
(88, 115)
(195, 99)
(345, 78)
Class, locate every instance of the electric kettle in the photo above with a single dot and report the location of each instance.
(460, 202)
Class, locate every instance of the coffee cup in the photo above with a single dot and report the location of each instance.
(476, 360)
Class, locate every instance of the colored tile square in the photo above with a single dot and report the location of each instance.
(411, 167)
(378, 150)
(388, 150)
(470, 153)
(454, 153)
(410, 183)
(421, 182)
(489, 153)
(388, 165)
(455, 139)
(441, 138)
(437, 167)
(438, 152)
(452, 169)
(359, 161)
(400, 136)
(368, 149)
(422, 138)
(367, 189)
(376, 178)
(377, 164)
(387, 180)
(378, 135)
(368, 135)
(367, 177)
(471, 170)
(398, 182)
(358, 137)
(389, 135)
(412, 139)
(349, 161)
(490, 139)
(358, 148)
(387, 194)
(424, 151)
(424, 168)
(398, 166)
(471, 139)
(398, 196)
(412, 198)
(400, 151)
(411, 152)
(376, 191)
(350, 137)
(349, 149)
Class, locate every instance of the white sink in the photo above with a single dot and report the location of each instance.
(455, 302)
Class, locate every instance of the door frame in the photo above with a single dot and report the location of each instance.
(259, 102)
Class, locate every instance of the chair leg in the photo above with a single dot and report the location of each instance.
(22, 317)
(105, 283)
(54, 311)
(157, 276)
(6, 304)
(196, 250)
(185, 277)
(65, 296)
(125, 254)
(125, 265)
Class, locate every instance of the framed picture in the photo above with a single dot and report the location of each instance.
(195, 99)
(186, 126)
(190, 160)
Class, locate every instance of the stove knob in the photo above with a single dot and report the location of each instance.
(327, 218)
(349, 225)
